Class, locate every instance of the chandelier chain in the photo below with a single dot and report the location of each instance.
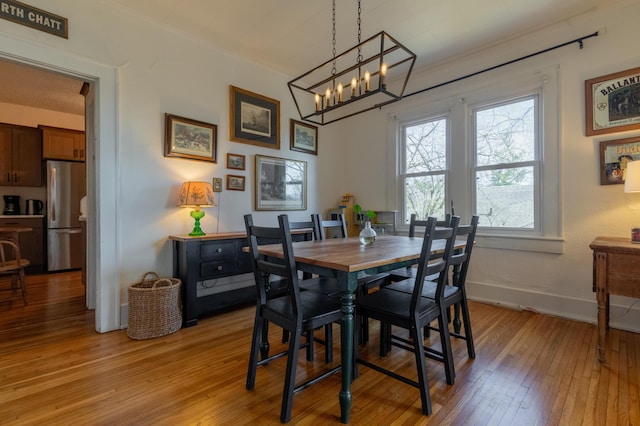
(359, 33)
(333, 70)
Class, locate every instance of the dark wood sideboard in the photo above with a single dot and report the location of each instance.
(212, 257)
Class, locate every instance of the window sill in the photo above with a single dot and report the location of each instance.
(510, 242)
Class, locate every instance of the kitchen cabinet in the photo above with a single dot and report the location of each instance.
(31, 243)
(20, 156)
(62, 144)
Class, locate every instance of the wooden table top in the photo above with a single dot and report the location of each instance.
(347, 254)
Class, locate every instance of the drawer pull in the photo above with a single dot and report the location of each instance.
(220, 267)
(219, 250)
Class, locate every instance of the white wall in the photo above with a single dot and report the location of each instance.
(557, 284)
(157, 71)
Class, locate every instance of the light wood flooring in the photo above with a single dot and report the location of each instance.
(530, 369)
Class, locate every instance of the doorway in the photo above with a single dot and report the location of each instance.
(102, 227)
(31, 97)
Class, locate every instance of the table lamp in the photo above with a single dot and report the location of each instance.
(632, 184)
(196, 195)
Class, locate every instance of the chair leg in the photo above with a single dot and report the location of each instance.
(421, 365)
(328, 343)
(310, 345)
(290, 378)
(264, 341)
(255, 349)
(467, 328)
(445, 343)
(23, 286)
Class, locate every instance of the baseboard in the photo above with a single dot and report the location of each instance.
(624, 312)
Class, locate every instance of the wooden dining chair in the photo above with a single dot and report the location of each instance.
(12, 265)
(297, 311)
(454, 294)
(413, 312)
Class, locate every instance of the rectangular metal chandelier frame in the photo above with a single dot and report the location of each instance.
(319, 94)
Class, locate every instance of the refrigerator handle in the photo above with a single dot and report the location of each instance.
(52, 193)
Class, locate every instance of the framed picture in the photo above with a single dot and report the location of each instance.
(614, 156)
(235, 183)
(304, 137)
(192, 139)
(613, 102)
(235, 161)
(281, 184)
(255, 119)
(217, 184)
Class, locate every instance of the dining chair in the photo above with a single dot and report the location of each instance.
(12, 264)
(413, 312)
(415, 224)
(455, 294)
(296, 311)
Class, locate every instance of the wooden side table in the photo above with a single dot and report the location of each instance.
(616, 270)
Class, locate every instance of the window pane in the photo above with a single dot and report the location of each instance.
(506, 134)
(424, 195)
(505, 197)
(425, 145)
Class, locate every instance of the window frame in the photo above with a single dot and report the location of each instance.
(403, 175)
(457, 102)
(536, 163)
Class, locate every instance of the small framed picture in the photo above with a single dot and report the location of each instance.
(235, 183)
(235, 161)
(255, 119)
(217, 184)
(192, 139)
(304, 137)
(614, 156)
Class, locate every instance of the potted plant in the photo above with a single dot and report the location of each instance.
(368, 215)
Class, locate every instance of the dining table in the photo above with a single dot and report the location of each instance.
(346, 259)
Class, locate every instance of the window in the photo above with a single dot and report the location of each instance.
(425, 168)
(493, 149)
(506, 164)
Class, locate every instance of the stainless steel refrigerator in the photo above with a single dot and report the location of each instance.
(66, 185)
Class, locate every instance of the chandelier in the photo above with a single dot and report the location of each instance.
(370, 75)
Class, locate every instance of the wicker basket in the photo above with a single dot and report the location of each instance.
(155, 308)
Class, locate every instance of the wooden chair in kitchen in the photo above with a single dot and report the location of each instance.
(12, 265)
(297, 311)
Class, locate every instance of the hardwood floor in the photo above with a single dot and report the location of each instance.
(530, 369)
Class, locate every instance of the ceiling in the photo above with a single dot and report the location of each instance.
(293, 36)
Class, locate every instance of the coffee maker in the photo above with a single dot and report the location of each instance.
(11, 204)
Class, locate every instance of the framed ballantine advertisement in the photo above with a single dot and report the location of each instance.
(613, 102)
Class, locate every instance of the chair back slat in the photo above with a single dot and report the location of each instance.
(462, 260)
(414, 223)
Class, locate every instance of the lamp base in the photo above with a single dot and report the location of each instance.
(197, 231)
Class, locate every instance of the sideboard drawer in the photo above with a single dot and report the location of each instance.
(212, 269)
(218, 250)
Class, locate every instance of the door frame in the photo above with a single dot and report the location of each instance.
(102, 230)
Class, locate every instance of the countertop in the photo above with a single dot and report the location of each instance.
(21, 216)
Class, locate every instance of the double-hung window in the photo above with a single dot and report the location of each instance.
(424, 176)
(493, 150)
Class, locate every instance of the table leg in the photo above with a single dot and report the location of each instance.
(347, 345)
(602, 298)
